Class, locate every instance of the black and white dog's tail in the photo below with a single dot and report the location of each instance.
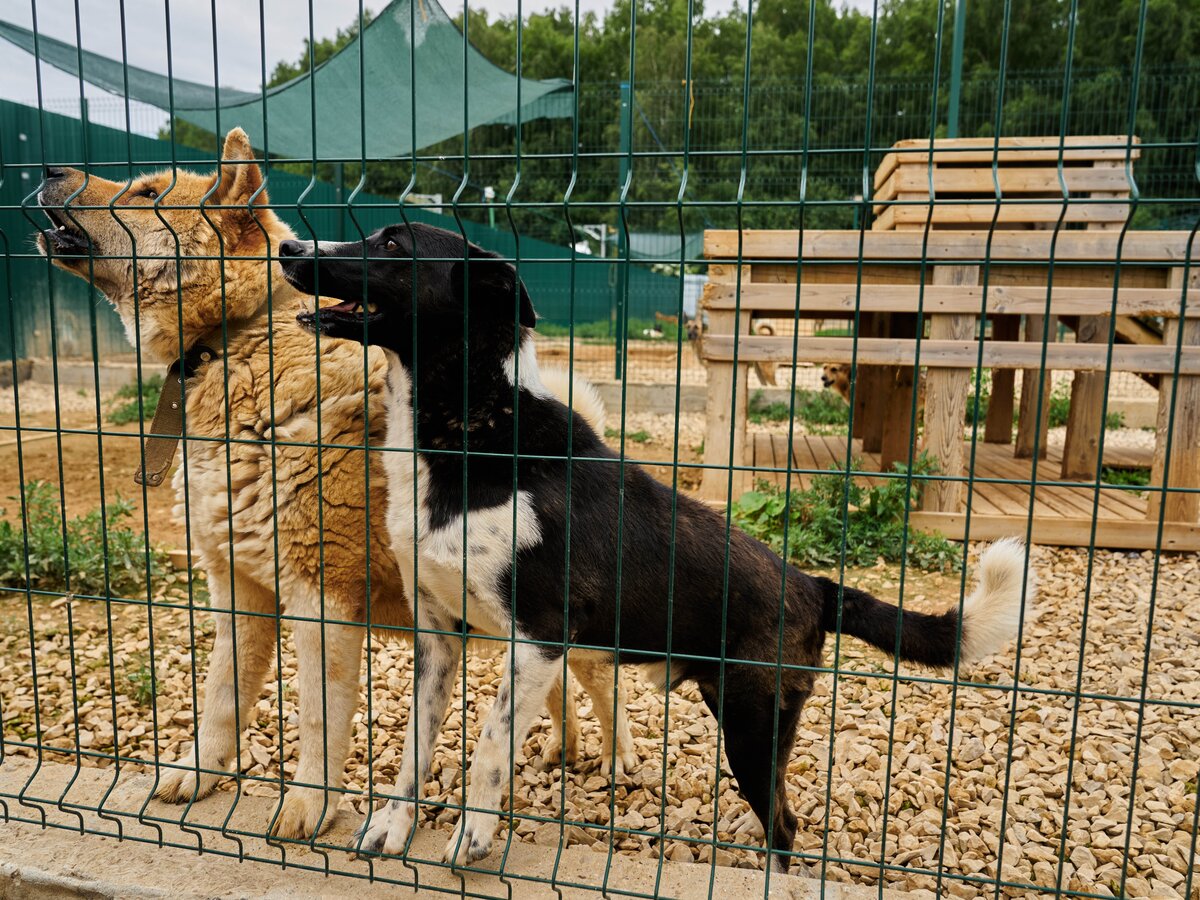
(990, 615)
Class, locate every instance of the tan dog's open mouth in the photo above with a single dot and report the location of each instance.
(65, 238)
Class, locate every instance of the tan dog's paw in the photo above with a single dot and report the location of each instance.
(304, 811)
(179, 784)
(552, 753)
(626, 761)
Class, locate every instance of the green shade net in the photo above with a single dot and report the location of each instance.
(411, 51)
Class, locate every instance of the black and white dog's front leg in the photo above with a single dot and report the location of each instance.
(436, 658)
(528, 675)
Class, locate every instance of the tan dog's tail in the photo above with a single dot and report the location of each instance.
(584, 396)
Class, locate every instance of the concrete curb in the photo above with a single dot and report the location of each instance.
(57, 861)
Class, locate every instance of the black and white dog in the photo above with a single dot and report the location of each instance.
(516, 505)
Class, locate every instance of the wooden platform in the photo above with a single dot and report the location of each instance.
(1061, 515)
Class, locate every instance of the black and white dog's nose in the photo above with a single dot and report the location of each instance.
(293, 248)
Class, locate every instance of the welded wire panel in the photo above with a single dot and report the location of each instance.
(652, 451)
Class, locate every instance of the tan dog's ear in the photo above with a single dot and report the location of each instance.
(240, 175)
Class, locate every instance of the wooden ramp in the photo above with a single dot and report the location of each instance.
(1000, 497)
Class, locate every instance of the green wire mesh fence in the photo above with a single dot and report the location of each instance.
(824, 329)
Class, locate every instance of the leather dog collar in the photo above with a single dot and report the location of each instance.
(167, 428)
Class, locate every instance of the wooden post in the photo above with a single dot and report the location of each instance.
(871, 392)
(1084, 422)
(998, 428)
(946, 399)
(1030, 379)
(897, 412)
(714, 483)
(1185, 445)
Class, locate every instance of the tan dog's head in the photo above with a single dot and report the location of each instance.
(168, 243)
(837, 377)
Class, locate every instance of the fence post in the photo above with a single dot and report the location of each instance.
(1035, 328)
(622, 286)
(1084, 421)
(999, 425)
(718, 454)
(946, 393)
(1185, 445)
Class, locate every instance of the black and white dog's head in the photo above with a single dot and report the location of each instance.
(381, 279)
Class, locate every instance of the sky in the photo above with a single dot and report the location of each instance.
(241, 44)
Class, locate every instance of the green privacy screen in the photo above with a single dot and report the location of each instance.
(313, 209)
(412, 64)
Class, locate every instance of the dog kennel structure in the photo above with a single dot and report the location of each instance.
(979, 247)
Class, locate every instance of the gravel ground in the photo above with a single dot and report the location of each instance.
(867, 818)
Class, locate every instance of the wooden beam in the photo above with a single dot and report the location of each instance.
(964, 247)
(1085, 421)
(983, 179)
(1036, 327)
(1064, 532)
(961, 151)
(954, 354)
(957, 212)
(999, 425)
(1001, 299)
(1184, 393)
(946, 392)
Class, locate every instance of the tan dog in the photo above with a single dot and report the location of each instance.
(279, 524)
(836, 376)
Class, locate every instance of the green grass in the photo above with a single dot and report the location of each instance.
(123, 408)
(638, 437)
(93, 542)
(814, 408)
(874, 521)
(1125, 476)
(141, 684)
(601, 331)
(1060, 409)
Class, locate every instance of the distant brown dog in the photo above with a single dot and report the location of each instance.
(836, 376)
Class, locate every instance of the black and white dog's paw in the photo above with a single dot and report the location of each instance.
(384, 831)
(472, 839)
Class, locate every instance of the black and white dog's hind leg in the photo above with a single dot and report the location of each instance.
(528, 675)
(436, 658)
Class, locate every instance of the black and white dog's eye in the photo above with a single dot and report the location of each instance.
(391, 245)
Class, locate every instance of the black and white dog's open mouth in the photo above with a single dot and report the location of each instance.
(65, 238)
(348, 312)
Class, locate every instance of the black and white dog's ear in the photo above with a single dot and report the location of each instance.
(494, 279)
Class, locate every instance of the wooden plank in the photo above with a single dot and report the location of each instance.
(953, 354)
(1001, 299)
(983, 179)
(870, 391)
(946, 397)
(1063, 532)
(1069, 501)
(961, 151)
(962, 247)
(1184, 472)
(999, 425)
(1037, 328)
(1085, 420)
(983, 500)
(957, 212)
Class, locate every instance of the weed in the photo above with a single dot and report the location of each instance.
(818, 408)
(874, 521)
(95, 545)
(142, 685)
(1125, 476)
(638, 437)
(123, 408)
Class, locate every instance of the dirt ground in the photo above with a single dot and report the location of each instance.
(916, 774)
